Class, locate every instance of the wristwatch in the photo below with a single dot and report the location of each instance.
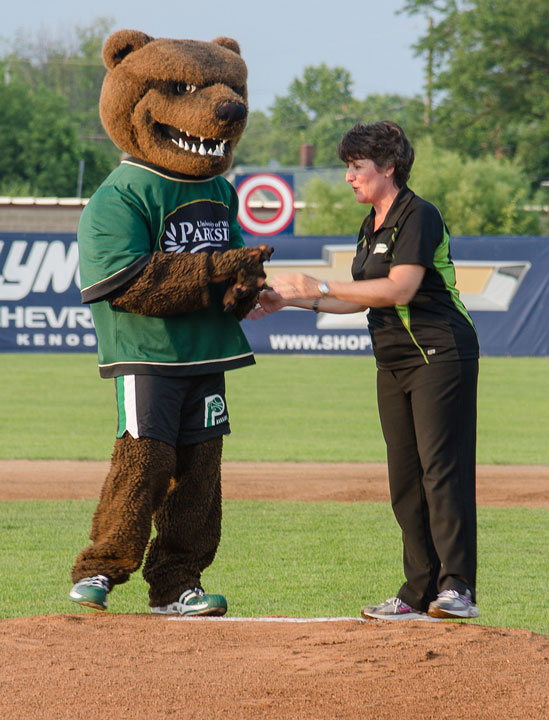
(323, 288)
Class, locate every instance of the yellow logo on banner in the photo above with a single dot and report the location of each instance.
(482, 284)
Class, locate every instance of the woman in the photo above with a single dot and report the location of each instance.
(426, 351)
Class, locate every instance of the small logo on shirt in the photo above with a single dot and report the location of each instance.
(380, 248)
(431, 351)
(214, 411)
(198, 226)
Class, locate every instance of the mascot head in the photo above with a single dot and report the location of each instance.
(178, 104)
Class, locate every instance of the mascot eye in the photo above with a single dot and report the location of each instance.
(240, 90)
(181, 89)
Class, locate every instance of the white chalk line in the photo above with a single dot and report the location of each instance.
(273, 619)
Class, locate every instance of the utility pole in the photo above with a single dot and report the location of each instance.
(80, 179)
(429, 79)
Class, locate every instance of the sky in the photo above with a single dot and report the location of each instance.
(278, 40)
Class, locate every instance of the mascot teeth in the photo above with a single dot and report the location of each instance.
(204, 147)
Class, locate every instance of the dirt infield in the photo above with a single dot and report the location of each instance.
(140, 667)
(497, 485)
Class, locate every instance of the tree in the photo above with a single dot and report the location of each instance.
(41, 146)
(49, 116)
(254, 148)
(330, 209)
(325, 134)
(408, 112)
(322, 90)
(476, 196)
(322, 95)
(70, 65)
(490, 77)
(319, 108)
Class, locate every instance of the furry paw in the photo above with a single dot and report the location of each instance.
(243, 270)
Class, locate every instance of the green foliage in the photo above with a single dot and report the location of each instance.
(489, 80)
(319, 108)
(256, 146)
(39, 140)
(408, 112)
(293, 408)
(293, 123)
(322, 90)
(69, 65)
(290, 123)
(476, 196)
(280, 559)
(49, 119)
(491, 77)
(330, 209)
(325, 134)
(317, 102)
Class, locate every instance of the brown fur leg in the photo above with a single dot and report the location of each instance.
(188, 524)
(136, 484)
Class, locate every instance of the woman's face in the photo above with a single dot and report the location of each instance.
(369, 183)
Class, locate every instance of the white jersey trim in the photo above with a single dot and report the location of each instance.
(167, 176)
(153, 363)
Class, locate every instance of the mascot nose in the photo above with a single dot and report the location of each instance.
(231, 112)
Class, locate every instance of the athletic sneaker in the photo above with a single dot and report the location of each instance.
(194, 602)
(393, 609)
(450, 604)
(91, 592)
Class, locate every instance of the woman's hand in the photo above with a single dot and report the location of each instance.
(397, 289)
(268, 302)
(292, 287)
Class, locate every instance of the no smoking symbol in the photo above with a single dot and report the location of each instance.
(280, 189)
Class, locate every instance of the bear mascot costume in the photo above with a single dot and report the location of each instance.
(165, 269)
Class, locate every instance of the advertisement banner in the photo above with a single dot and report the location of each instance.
(503, 281)
(40, 306)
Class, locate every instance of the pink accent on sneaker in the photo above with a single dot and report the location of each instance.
(403, 608)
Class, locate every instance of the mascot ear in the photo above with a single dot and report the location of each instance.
(228, 43)
(120, 44)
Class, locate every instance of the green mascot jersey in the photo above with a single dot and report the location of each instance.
(138, 210)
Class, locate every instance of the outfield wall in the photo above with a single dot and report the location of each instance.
(504, 282)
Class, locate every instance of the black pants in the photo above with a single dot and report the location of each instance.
(428, 417)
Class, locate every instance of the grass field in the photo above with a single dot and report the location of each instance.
(295, 559)
(275, 558)
(284, 408)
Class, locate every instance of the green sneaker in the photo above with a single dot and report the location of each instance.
(91, 592)
(194, 602)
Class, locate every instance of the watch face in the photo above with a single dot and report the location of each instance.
(324, 287)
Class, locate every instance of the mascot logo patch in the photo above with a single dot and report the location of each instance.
(198, 226)
(214, 411)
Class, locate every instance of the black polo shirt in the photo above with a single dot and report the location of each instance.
(434, 326)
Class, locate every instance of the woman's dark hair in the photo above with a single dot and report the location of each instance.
(382, 142)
